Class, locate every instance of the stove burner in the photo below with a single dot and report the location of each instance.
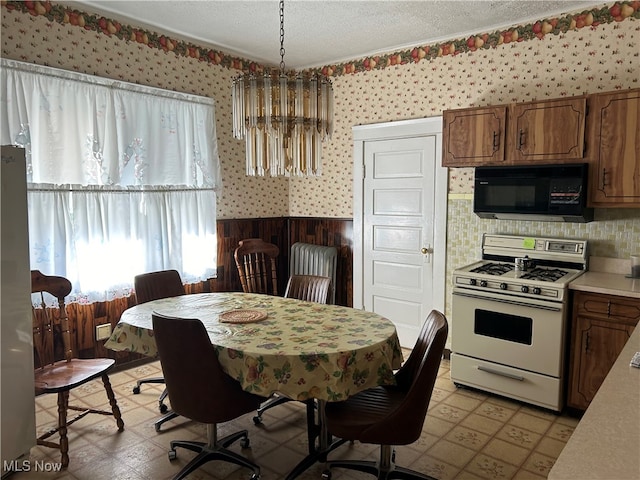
(544, 274)
(494, 268)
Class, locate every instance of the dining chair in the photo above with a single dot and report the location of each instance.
(201, 391)
(54, 374)
(310, 288)
(392, 415)
(152, 286)
(256, 263)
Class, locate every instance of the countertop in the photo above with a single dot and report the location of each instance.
(606, 443)
(608, 276)
(607, 283)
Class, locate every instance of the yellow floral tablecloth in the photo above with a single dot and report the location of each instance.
(301, 350)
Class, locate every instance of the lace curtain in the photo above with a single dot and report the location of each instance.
(121, 178)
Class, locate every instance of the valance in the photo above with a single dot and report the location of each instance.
(86, 130)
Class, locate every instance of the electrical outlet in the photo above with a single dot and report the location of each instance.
(103, 331)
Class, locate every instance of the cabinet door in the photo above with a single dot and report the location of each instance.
(614, 127)
(596, 347)
(474, 136)
(548, 131)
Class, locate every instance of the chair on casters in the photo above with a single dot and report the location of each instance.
(392, 415)
(310, 288)
(152, 286)
(256, 263)
(61, 376)
(201, 391)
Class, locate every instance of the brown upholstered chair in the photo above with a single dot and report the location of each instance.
(201, 391)
(61, 376)
(310, 288)
(152, 286)
(392, 415)
(256, 262)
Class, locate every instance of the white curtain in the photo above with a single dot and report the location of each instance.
(122, 178)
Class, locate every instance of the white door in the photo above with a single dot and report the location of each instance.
(402, 231)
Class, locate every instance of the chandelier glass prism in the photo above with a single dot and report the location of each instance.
(284, 117)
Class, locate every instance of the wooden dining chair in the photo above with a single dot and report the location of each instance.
(201, 391)
(310, 288)
(59, 372)
(152, 286)
(392, 415)
(256, 263)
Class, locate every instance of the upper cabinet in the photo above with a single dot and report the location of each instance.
(547, 132)
(614, 127)
(524, 133)
(602, 130)
(474, 136)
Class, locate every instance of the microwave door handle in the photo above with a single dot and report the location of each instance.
(510, 302)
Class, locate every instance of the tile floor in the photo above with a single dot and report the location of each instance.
(467, 435)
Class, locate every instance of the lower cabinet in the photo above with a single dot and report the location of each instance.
(601, 326)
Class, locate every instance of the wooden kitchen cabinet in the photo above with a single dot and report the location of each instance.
(601, 326)
(614, 127)
(549, 131)
(474, 136)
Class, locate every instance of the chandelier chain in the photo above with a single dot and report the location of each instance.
(282, 68)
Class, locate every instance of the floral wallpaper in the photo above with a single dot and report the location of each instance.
(580, 52)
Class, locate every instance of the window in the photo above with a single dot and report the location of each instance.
(122, 178)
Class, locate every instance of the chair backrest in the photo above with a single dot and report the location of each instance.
(311, 288)
(416, 378)
(44, 323)
(155, 285)
(256, 262)
(197, 386)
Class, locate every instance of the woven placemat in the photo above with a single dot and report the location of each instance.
(243, 316)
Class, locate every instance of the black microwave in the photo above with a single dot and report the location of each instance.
(532, 192)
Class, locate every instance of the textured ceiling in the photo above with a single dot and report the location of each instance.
(321, 33)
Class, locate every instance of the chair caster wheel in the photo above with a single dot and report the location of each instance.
(326, 475)
(163, 408)
(257, 420)
(157, 427)
(136, 390)
(255, 476)
(244, 443)
(172, 455)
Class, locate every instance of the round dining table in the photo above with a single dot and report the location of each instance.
(302, 350)
(299, 349)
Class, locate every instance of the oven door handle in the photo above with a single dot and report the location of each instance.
(510, 302)
(502, 374)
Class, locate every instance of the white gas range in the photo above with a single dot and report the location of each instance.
(510, 316)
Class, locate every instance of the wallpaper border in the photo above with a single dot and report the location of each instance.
(617, 12)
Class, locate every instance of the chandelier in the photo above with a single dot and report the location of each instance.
(283, 117)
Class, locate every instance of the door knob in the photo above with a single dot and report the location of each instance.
(426, 250)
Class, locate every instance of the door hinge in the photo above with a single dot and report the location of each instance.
(364, 171)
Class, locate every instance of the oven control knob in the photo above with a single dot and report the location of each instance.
(472, 281)
(524, 289)
(536, 290)
(483, 283)
(503, 286)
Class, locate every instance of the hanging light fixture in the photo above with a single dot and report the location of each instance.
(283, 117)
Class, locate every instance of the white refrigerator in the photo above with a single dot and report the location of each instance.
(17, 397)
